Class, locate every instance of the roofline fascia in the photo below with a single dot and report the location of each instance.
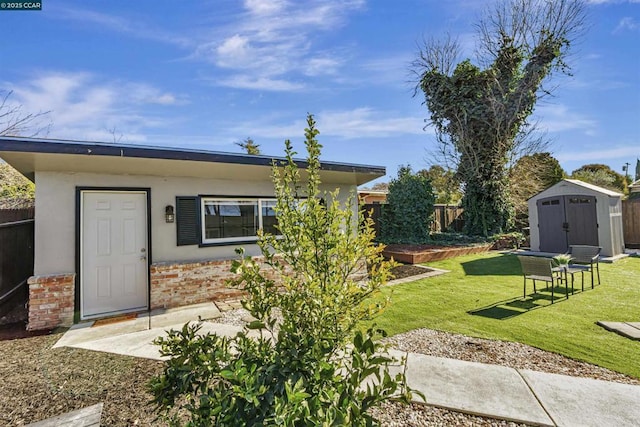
(52, 146)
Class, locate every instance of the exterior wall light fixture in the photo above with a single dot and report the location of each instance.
(169, 215)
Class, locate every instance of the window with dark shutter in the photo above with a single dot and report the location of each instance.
(188, 220)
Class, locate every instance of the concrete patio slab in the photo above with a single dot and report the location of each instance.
(573, 401)
(85, 417)
(475, 388)
(140, 343)
(626, 329)
(86, 331)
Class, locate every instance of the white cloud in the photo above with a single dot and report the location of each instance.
(368, 123)
(142, 93)
(558, 118)
(395, 70)
(267, 40)
(264, 7)
(273, 41)
(243, 81)
(322, 66)
(119, 24)
(361, 122)
(627, 24)
(598, 155)
(233, 50)
(81, 107)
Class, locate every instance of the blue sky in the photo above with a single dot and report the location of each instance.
(206, 74)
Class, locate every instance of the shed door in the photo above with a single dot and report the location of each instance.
(114, 269)
(551, 219)
(582, 220)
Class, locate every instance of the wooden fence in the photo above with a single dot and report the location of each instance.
(445, 217)
(10, 215)
(631, 223)
(16, 256)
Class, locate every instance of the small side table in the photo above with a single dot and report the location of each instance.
(570, 270)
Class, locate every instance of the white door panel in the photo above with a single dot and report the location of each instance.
(113, 252)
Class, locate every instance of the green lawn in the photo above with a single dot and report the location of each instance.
(482, 297)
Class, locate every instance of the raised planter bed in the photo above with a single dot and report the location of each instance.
(416, 254)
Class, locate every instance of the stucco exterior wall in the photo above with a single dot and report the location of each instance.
(56, 214)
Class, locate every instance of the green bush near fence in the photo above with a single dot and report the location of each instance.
(408, 214)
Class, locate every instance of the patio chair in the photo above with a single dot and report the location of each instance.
(585, 258)
(540, 269)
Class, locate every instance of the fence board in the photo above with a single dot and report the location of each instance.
(631, 223)
(10, 215)
(445, 217)
(16, 261)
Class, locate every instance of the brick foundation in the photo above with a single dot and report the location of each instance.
(51, 301)
(178, 284)
(51, 298)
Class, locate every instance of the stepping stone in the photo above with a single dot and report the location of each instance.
(585, 402)
(85, 417)
(475, 388)
(626, 329)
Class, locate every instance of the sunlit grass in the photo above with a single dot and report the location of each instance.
(482, 296)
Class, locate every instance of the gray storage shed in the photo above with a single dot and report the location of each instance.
(573, 212)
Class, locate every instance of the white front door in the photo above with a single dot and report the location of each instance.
(113, 252)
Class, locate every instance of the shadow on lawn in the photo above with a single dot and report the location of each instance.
(504, 265)
(513, 307)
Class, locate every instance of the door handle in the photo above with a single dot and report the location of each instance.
(143, 257)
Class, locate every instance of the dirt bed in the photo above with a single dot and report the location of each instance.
(39, 382)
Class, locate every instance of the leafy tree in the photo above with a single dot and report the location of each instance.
(381, 186)
(407, 216)
(310, 359)
(530, 175)
(602, 176)
(249, 146)
(444, 183)
(480, 112)
(16, 191)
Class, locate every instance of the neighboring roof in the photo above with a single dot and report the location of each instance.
(380, 192)
(579, 183)
(31, 154)
(635, 185)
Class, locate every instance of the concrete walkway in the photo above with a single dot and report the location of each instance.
(519, 395)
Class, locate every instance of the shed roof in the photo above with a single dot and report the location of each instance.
(28, 155)
(586, 185)
(594, 187)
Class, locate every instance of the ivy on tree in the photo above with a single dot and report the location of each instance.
(480, 112)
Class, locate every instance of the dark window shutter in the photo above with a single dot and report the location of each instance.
(188, 220)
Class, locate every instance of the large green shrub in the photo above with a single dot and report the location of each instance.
(408, 214)
(310, 360)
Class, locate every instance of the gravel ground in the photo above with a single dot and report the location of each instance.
(39, 382)
(515, 355)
